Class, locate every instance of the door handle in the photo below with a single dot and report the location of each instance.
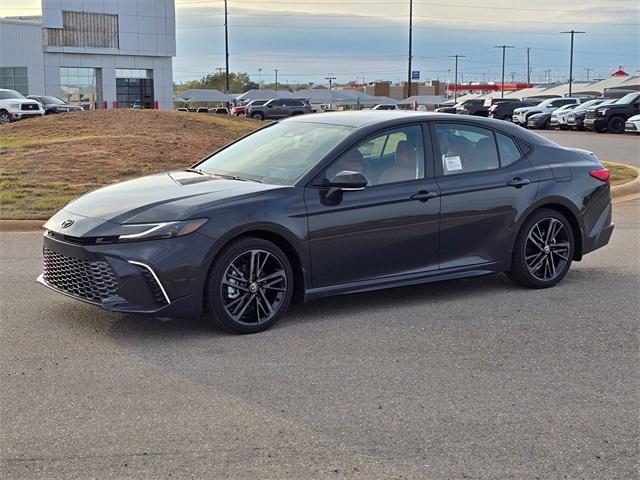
(423, 195)
(518, 182)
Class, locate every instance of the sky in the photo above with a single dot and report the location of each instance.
(356, 40)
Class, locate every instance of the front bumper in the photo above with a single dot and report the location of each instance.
(632, 127)
(23, 115)
(161, 277)
(595, 123)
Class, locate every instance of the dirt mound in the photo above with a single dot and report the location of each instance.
(45, 162)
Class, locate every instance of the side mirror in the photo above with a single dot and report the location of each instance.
(346, 181)
(269, 106)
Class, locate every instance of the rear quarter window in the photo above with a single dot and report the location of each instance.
(508, 150)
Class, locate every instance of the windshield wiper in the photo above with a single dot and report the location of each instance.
(196, 170)
(236, 177)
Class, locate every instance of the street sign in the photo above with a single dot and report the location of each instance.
(415, 75)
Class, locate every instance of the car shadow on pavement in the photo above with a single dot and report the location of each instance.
(178, 329)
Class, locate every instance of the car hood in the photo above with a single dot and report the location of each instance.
(524, 110)
(161, 197)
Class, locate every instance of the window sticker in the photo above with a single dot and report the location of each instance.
(453, 164)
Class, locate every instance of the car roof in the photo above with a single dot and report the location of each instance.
(391, 118)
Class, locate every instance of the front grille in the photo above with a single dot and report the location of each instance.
(90, 280)
(590, 114)
(30, 106)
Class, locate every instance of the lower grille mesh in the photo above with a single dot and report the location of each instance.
(91, 280)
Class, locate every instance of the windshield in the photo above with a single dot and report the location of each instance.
(52, 101)
(628, 98)
(280, 153)
(10, 94)
(590, 103)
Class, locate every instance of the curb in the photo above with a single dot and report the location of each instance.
(619, 193)
(629, 190)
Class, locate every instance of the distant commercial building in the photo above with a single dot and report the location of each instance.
(92, 52)
(399, 92)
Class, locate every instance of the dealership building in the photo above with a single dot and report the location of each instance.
(96, 53)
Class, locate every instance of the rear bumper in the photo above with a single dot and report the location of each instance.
(160, 278)
(599, 240)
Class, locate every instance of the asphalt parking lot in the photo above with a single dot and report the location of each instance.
(467, 379)
(624, 148)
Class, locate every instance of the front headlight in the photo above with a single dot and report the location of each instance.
(603, 111)
(156, 231)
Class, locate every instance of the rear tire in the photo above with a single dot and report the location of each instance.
(250, 286)
(543, 251)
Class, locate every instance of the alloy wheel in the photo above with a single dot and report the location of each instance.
(547, 249)
(253, 288)
(4, 118)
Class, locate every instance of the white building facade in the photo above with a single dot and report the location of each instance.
(95, 53)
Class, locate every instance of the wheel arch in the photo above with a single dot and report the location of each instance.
(565, 208)
(280, 237)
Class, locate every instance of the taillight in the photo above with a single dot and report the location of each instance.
(603, 175)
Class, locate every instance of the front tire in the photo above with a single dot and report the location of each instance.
(258, 116)
(250, 286)
(616, 125)
(543, 251)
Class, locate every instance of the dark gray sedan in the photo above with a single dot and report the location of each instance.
(329, 204)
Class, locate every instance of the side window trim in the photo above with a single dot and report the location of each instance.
(317, 181)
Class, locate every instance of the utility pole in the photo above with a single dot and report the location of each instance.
(331, 79)
(572, 32)
(276, 70)
(588, 70)
(513, 76)
(528, 65)
(226, 48)
(504, 49)
(259, 78)
(455, 82)
(410, 47)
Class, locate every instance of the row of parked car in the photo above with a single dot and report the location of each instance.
(15, 106)
(566, 113)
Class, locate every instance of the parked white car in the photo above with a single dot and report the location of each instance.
(560, 117)
(632, 125)
(14, 106)
(522, 114)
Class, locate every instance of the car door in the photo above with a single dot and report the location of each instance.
(276, 109)
(485, 183)
(390, 227)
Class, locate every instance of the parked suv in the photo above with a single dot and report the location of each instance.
(53, 105)
(612, 117)
(473, 107)
(575, 119)
(521, 115)
(559, 117)
(14, 106)
(279, 108)
(503, 110)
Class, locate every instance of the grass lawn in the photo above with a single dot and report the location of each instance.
(46, 162)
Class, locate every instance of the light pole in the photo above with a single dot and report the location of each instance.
(226, 48)
(276, 70)
(572, 32)
(331, 79)
(504, 49)
(259, 78)
(528, 66)
(455, 82)
(410, 47)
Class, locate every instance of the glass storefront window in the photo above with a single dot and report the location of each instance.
(79, 86)
(14, 78)
(134, 88)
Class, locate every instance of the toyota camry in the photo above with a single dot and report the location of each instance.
(328, 204)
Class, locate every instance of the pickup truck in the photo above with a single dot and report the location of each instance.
(521, 115)
(14, 106)
(612, 117)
